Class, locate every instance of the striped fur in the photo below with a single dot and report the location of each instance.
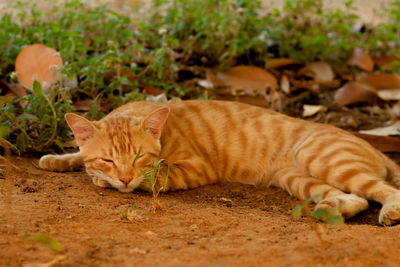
(205, 142)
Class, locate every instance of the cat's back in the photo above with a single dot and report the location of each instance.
(137, 108)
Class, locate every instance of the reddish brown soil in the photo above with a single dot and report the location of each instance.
(216, 225)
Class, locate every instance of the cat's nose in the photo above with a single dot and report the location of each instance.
(125, 180)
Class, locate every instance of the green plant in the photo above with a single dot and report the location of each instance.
(109, 58)
(312, 32)
(330, 216)
(48, 241)
(131, 214)
(152, 177)
(39, 124)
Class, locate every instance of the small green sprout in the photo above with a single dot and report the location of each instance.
(138, 153)
(152, 178)
(48, 241)
(330, 216)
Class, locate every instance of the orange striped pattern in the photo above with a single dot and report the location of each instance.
(209, 141)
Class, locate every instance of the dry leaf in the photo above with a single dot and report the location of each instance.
(383, 80)
(40, 63)
(161, 98)
(152, 90)
(280, 62)
(390, 94)
(205, 84)
(83, 105)
(355, 92)
(384, 131)
(386, 61)
(310, 110)
(391, 130)
(214, 80)
(320, 71)
(361, 59)
(19, 91)
(245, 80)
(396, 109)
(382, 143)
(13, 90)
(285, 84)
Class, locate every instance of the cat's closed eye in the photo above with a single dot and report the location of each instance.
(138, 156)
(106, 160)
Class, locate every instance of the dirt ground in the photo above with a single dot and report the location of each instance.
(216, 225)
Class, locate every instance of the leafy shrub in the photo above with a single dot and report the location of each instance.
(95, 42)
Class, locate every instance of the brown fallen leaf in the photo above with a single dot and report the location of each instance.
(245, 80)
(386, 61)
(152, 90)
(18, 90)
(40, 63)
(13, 90)
(382, 143)
(321, 72)
(83, 105)
(355, 92)
(382, 80)
(280, 62)
(361, 59)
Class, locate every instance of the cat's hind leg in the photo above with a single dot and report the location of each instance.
(61, 163)
(305, 186)
(368, 183)
(368, 186)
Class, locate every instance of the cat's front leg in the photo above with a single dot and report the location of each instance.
(61, 163)
(390, 212)
(100, 182)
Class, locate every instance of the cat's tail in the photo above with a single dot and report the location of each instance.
(393, 171)
(61, 163)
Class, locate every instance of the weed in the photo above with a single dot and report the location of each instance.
(48, 241)
(131, 214)
(330, 216)
(152, 177)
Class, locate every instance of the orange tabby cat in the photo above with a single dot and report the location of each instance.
(204, 142)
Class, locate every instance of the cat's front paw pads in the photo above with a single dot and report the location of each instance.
(348, 204)
(100, 182)
(390, 212)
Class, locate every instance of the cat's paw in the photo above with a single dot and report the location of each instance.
(348, 204)
(50, 163)
(100, 182)
(390, 212)
(60, 163)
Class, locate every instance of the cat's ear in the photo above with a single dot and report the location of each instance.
(82, 128)
(154, 122)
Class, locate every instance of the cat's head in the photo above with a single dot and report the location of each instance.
(119, 148)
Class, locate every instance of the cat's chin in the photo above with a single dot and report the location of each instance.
(126, 190)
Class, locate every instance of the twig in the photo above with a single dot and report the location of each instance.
(54, 261)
